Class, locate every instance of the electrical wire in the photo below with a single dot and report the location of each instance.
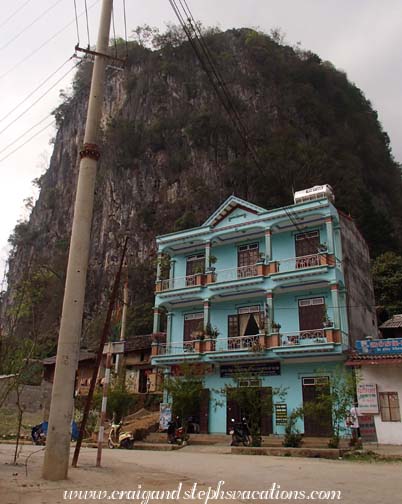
(114, 34)
(34, 91)
(46, 42)
(27, 141)
(39, 98)
(191, 27)
(14, 13)
(125, 26)
(76, 22)
(86, 15)
(30, 24)
(25, 133)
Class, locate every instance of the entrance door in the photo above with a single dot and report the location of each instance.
(233, 410)
(320, 426)
(311, 313)
(204, 411)
(307, 246)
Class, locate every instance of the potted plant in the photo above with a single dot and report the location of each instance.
(327, 322)
(275, 326)
(212, 260)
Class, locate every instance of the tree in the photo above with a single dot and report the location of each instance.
(387, 279)
(185, 391)
(338, 398)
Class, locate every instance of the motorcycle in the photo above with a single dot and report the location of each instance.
(240, 433)
(119, 439)
(176, 434)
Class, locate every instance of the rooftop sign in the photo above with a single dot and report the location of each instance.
(380, 346)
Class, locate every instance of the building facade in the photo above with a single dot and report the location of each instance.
(278, 295)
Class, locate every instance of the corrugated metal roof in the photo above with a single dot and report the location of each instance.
(394, 322)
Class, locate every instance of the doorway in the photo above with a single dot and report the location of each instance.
(313, 389)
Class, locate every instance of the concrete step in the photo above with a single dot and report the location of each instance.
(156, 446)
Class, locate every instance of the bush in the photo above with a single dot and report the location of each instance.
(293, 438)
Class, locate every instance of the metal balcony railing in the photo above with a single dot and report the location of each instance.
(176, 348)
(309, 337)
(296, 263)
(227, 275)
(179, 282)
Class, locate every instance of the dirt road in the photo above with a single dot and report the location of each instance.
(152, 470)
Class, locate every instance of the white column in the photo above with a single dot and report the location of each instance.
(157, 320)
(268, 245)
(270, 311)
(330, 235)
(159, 266)
(335, 304)
(171, 273)
(207, 256)
(207, 306)
(169, 329)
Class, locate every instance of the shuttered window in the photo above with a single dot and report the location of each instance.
(307, 243)
(311, 313)
(193, 322)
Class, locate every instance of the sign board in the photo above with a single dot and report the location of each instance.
(165, 415)
(368, 432)
(367, 398)
(281, 414)
(114, 347)
(380, 346)
(259, 369)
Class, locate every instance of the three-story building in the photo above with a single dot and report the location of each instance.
(278, 295)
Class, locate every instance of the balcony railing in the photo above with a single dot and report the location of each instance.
(302, 262)
(309, 337)
(237, 343)
(227, 275)
(176, 348)
(181, 282)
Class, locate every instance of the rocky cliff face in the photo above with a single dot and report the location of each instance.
(170, 155)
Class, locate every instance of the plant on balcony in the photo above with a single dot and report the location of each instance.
(327, 322)
(275, 327)
(322, 247)
(211, 332)
(261, 257)
(212, 260)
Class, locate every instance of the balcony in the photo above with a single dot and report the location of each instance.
(303, 262)
(310, 337)
(176, 283)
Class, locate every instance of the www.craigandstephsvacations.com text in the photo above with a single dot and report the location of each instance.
(217, 493)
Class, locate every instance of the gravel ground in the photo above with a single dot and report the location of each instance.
(205, 466)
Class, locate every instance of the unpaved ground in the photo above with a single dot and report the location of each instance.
(206, 466)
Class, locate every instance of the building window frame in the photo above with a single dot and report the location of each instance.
(389, 407)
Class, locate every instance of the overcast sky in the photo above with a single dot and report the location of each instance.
(37, 37)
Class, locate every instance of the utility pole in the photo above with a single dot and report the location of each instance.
(55, 466)
(123, 323)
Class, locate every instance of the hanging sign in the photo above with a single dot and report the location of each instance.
(368, 432)
(367, 398)
(380, 346)
(260, 369)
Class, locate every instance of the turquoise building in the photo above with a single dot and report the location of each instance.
(278, 295)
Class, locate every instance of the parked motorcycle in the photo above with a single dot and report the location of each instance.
(240, 433)
(119, 439)
(176, 434)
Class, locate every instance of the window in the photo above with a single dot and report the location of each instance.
(311, 314)
(245, 323)
(307, 246)
(389, 406)
(192, 322)
(247, 257)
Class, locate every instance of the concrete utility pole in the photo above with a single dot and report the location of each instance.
(123, 322)
(57, 453)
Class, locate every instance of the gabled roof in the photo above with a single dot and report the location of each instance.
(229, 206)
(394, 322)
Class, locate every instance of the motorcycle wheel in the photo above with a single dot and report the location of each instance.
(246, 441)
(110, 444)
(179, 441)
(127, 444)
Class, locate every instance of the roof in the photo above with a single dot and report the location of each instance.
(84, 356)
(141, 342)
(228, 206)
(394, 322)
(357, 359)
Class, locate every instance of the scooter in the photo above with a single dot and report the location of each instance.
(176, 433)
(119, 439)
(240, 433)
(39, 433)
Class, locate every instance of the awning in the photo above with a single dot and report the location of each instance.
(375, 362)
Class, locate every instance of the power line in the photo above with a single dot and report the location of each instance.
(14, 13)
(30, 24)
(125, 26)
(34, 91)
(46, 42)
(27, 141)
(39, 98)
(76, 22)
(25, 133)
(86, 15)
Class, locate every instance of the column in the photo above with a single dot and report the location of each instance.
(270, 311)
(171, 273)
(330, 235)
(207, 306)
(268, 245)
(207, 256)
(159, 266)
(157, 320)
(169, 330)
(335, 304)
